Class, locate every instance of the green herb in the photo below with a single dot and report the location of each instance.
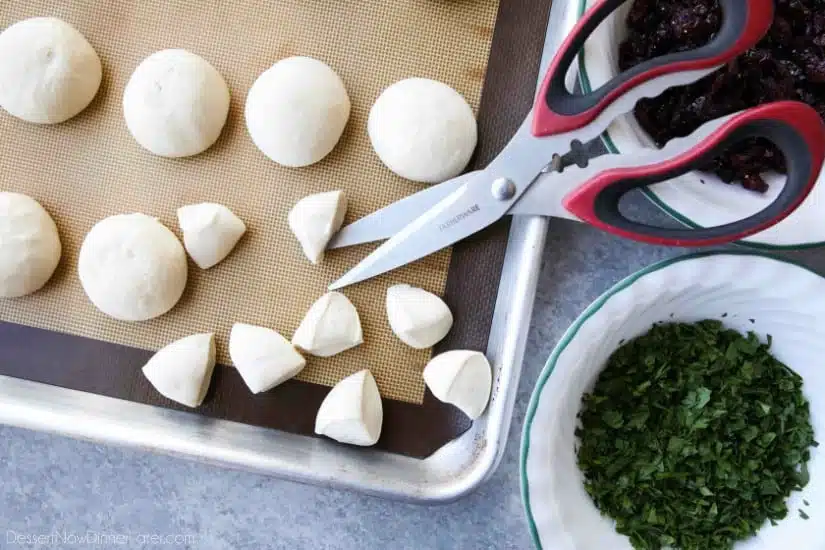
(803, 515)
(693, 437)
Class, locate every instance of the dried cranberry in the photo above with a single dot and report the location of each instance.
(789, 63)
(754, 182)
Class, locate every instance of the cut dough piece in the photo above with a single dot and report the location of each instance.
(48, 71)
(315, 219)
(352, 412)
(210, 232)
(330, 326)
(461, 378)
(297, 110)
(182, 370)
(29, 245)
(132, 267)
(263, 357)
(176, 104)
(419, 318)
(423, 130)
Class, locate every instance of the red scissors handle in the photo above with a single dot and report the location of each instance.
(745, 22)
(794, 127)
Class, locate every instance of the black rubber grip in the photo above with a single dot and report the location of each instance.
(736, 16)
(801, 172)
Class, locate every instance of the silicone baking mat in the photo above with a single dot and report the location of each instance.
(90, 168)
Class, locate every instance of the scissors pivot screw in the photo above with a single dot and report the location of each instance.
(504, 189)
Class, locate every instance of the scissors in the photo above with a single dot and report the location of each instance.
(522, 179)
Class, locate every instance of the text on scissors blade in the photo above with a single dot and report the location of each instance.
(457, 218)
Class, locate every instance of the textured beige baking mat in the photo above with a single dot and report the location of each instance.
(90, 167)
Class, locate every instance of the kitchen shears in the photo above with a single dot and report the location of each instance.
(522, 179)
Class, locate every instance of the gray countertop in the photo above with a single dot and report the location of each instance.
(53, 485)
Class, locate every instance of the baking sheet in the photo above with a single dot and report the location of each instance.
(90, 167)
(490, 296)
(453, 472)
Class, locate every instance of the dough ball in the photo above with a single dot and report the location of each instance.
(132, 267)
(183, 370)
(352, 411)
(423, 130)
(315, 219)
(297, 110)
(263, 358)
(48, 71)
(210, 232)
(332, 325)
(176, 104)
(462, 378)
(29, 245)
(419, 318)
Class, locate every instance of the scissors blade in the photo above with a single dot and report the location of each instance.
(467, 210)
(388, 221)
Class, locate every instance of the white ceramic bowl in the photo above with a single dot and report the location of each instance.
(685, 198)
(783, 299)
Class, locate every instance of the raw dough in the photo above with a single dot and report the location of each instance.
(352, 411)
(132, 267)
(182, 370)
(423, 130)
(29, 245)
(461, 378)
(330, 326)
(297, 110)
(210, 232)
(48, 71)
(315, 219)
(419, 318)
(176, 104)
(263, 357)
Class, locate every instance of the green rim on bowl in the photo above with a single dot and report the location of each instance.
(610, 145)
(568, 336)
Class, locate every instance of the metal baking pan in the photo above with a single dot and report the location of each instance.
(450, 473)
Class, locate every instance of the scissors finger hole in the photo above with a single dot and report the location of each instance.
(794, 128)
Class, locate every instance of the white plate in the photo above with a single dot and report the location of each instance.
(784, 300)
(686, 198)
